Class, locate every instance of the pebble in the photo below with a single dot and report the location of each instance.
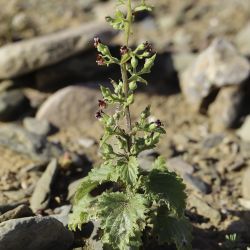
(196, 183)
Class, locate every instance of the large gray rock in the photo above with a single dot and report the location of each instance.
(12, 103)
(24, 142)
(41, 195)
(26, 56)
(34, 233)
(218, 66)
(70, 105)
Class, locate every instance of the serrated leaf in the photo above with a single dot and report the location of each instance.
(169, 229)
(166, 187)
(120, 216)
(83, 209)
(106, 172)
(128, 171)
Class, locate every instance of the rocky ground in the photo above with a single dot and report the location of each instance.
(199, 88)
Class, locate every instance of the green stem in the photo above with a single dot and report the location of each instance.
(123, 66)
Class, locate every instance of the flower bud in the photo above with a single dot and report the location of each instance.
(100, 60)
(98, 115)
(134, 62)
(97, 41)
(124, 50)
(102, 104)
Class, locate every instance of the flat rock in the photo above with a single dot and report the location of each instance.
(12, 103)
(40, 233)
(218, 66)
(226, 110)
(40, 127)
(26, 56)
(41, 195)
(20, 140)
(18, 212)
(71, 105)
(244, 131)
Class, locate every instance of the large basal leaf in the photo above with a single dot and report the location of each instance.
(167, 187)
(169, 229)
(83, 209)
(128, 171)
(83, 212)
(121, 216)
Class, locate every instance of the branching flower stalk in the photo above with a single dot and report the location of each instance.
(135, 204)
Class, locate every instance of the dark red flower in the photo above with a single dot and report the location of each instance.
(148, 47)
(97, 40)
(124, 50)
(98, 115)
(100, 60)
(102, 104)
(158, 123)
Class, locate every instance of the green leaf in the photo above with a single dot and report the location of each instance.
(169, 229)
(106, 172)
(128, 171)
(82, 200)
(83, 209)
(166, 187)
(160, 163)
(143, 8)
(121, 216)
(118, 22)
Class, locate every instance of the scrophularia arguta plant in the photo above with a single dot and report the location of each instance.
(136, 205)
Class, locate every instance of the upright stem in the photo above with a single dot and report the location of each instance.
(123, 66)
